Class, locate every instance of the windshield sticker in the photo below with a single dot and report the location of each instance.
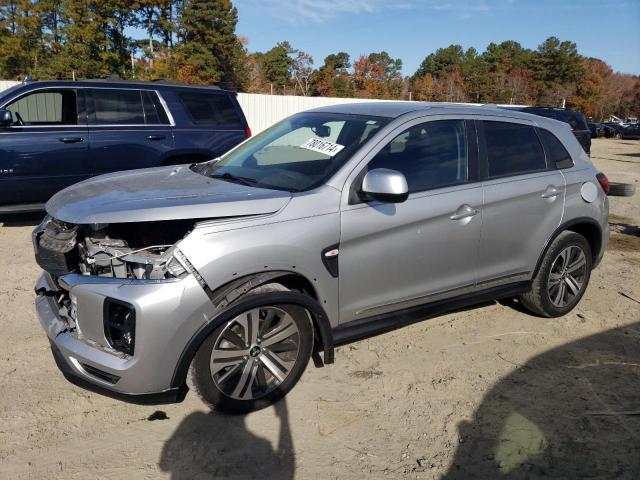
(322, 146)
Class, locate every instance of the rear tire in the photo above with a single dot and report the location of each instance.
(562, 278)
(254, 359)
(621, 189)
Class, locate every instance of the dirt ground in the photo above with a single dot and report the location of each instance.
(489, 392)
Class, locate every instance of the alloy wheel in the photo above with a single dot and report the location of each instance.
(255, 353)
(567, 276)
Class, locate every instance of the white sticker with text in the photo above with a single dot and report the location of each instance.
(322, 146)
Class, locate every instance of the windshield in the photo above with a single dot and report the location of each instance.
(297, 154)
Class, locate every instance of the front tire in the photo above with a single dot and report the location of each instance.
(562, 277)
(254, 359)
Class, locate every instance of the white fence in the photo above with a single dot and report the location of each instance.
(4, 84)
(262, 111)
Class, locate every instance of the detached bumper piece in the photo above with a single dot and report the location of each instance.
(173, 395)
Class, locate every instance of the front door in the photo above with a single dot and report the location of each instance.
(397, 255)
(44, 150)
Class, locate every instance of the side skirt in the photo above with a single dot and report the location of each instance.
(375, 325)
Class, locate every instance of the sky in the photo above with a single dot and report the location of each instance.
(411, 29)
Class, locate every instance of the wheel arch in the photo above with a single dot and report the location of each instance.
(585, 226)
(228, 300)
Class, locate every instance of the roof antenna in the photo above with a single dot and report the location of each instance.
(27, 79)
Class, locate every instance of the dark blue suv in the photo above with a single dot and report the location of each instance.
(56, 133)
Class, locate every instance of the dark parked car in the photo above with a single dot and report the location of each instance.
(597, 129)
(609, 131)
(56, 133)
(576, 119)
(630, 132)
(615, 129)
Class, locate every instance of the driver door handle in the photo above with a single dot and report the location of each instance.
(465, 211)
(550, 192)
(71, 139)
(156, 137)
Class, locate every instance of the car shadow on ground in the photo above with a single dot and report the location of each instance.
(21, 219)
(214, 445)
(572, 412)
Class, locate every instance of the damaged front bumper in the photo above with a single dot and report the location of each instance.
(167, 314)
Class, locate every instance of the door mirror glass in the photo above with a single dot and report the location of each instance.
(6, 118)
(384, 185)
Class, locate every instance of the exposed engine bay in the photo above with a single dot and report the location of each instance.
(142, 250)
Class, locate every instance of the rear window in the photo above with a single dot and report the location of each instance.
(211, 109)
(556, 150)
(512, 149)
(577, 121)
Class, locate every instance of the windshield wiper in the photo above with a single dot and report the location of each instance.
(234, 178)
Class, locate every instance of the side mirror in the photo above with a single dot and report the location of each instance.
(6, 118)
(385, 185)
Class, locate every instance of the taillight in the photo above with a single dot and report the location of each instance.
(604, 182)
(247, 132)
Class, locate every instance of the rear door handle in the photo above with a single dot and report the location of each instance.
(465, 211)
(550, 192)
(71, 139)
(156, 137)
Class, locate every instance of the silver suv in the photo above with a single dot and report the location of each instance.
(334, 224)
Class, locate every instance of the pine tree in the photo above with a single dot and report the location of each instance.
(21, 47)
(209, 50)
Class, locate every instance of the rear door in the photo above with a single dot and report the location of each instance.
(45, 149)
(523, 201)
(128, 129)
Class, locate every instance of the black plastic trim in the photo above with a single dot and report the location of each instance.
(253, 301)
(101, 374)
(173, 395)
(331, 263)
(370, 326)
(567, 226)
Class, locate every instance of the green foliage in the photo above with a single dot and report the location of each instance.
(442, 62)
(276, 64)
(208, 46)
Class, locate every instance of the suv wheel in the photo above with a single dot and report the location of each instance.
(254, 359)
(562, 278)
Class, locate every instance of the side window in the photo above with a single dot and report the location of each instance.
(117, 107)
(210, 109)
(45, 107)
(512, 149)
(430, 155)
(556, 150)
(154, 113)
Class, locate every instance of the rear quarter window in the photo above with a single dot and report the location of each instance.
(211, 109)
(556, 150)
(512, 149)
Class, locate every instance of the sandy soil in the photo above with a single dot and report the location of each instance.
(488, 392)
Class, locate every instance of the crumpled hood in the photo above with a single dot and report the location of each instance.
(165, 193)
